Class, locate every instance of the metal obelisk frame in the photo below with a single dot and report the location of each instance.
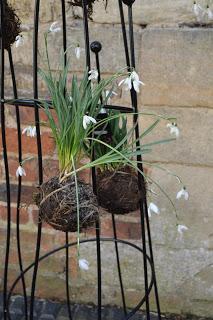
(146, 246)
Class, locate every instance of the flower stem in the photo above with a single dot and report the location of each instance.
(78, 212)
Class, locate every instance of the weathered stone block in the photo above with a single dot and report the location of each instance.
(195, 143)
(177, 67)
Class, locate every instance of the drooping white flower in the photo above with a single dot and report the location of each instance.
(55, 27)
(174, 129)
(153, 208)
(83, 264)
(132, 81)
(199, 12)
(87, 120)
(20, 171)
(103, 111)
(183, 193)
(109, 94)
(30, 131)
(93, 74)
(181, 228)
(209, 13)
(19, 41)
(78, 51)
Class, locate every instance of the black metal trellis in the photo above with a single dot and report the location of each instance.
(146, 247)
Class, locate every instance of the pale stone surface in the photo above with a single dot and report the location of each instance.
(177, 67)
(195, 143)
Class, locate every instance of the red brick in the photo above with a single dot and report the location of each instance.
(27, 115)
(29, 145)
(125, 229)
(23, 214)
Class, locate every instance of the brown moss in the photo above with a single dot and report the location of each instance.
(118, 191)
(11, 25)
(90, 4)
(58, 206)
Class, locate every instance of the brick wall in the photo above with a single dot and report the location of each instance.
(174, 57)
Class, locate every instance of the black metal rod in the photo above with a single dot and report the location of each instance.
(123, 26)
(7, 177)
(139, 158)
(15, 93)
(31, 103)
(63, 11)
(118, 264)
(40, 169)
(132, 245)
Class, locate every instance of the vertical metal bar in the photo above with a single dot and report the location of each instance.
(123, 26)
(87, 50)
(96, 48)
(118, 265)
(63, 11)
(39, 147)
(139, 158)
(4, 145)
(15, 93)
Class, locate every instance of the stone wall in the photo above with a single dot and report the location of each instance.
(174, 57)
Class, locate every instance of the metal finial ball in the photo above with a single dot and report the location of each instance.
(128, 2)
(96, 46)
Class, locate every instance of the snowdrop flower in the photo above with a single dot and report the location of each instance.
(174, 129)
(110, 94)
(78, 52)
(83, 264)
(20, 171)
(93, 74)
(54, 27)
(103, 111)
(19, 41)
(198, 11)
(132, 81)
(87, 120)
(153, 208)
(183, 193)
(209, 13)
(181, 228)
(30, 131)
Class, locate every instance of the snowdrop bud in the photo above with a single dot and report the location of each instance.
(20, 171)
(209, 13)
(30, 131)
(55, 27)
(78, 52)
(19, 41)
(153, 208)
(87, 120)
(183, 193)
(83, 264)
(174, 129)
(181, 228)
(93, 74)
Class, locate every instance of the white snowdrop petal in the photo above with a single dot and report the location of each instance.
(181, 228)
(83, 264)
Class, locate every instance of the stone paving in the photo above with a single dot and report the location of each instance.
(50, 310)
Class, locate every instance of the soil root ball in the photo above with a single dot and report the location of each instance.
(118, 191)
(12, 25)
(58, 206)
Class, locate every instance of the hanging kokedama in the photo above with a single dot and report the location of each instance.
(12, 25)
(90, 3)
(65, 202)
(59, 206)
(117, 183)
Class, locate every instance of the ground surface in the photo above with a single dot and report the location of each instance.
(50, 310)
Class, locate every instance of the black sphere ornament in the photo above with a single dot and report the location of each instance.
(128, 2)
(96, 46)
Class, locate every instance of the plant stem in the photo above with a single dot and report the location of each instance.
(78, 212)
